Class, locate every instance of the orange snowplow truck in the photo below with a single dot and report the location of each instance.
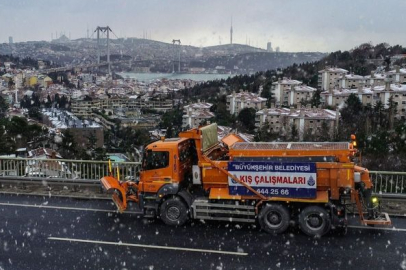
(196, 176)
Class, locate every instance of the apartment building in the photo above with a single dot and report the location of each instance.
(238, 101)
(308, 121)
(395, 91)
(281, 89)
(398, 75)
(298, 94)
(337, 97)
(350, 81)
(369, 95)
(84, 108)
(327, 79)
(82, 130)
(375, 79)
(290, 92)
(196, 114)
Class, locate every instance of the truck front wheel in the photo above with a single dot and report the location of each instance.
(314, 221)
(174, 212)
(274, 218)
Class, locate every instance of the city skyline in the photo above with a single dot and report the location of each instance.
(290, 25)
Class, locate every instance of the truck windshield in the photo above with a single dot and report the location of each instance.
(155, 160)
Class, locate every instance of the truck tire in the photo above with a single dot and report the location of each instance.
(314, 221)
(173, 212)
(274, 218)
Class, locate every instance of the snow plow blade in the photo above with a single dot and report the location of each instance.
(113, 186)
(382, 220)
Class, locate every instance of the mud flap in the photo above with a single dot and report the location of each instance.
(113, 186)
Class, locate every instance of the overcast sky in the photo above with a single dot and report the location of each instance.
(293, 25)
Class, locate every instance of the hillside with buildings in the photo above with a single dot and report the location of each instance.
(145, 55)
(99, 114)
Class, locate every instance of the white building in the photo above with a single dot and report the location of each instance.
(238, 101)
(398, 75)
(328, 77)
(196, 114)
(291, 92)
(375, 79)
(308, 121)
(370, 95)
(350, 81)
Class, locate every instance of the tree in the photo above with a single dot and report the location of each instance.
(57, 100)
(63, 102)
(34, 113)
(222, 115)
(7, 145)
(11, 84)
(92, 140)
(316, 98)
(3, 106)
(294, 132)
(352, 118)
(172, 122)
(378, 114)
(48, 103)
(392, 106)
(68, 147)
(267, 93)
(265, 134)
(246, 118)
(378, 143)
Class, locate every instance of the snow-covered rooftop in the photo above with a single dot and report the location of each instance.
(247, 96)
(315, 113)
(334, 70)
(63, 120)
(287, 81)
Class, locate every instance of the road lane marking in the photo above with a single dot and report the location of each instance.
(134, 212)
(67, 208)
(377, 228)
(149, 246)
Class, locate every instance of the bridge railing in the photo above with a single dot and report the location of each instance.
(66, 169)
(389, 182)
(90, 171)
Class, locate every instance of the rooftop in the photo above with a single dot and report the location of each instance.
(63, 120)
(247, 96)
(334, 70)
(287, 81)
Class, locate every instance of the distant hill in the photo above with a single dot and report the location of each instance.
(157, 55)
(260, 61)
(232, 48)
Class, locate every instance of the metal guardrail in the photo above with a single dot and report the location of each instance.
(386, 183)
(63, 170)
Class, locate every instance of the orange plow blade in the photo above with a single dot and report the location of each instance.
(382, 220)
(111, 184)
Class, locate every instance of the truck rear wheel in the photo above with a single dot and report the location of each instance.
(174, 212)
(274, 218)
(314, 221)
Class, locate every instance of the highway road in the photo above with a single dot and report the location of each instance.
(61, 233)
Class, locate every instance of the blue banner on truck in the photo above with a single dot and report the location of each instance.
(274, 179)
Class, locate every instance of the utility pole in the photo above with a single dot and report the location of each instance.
(179, 48)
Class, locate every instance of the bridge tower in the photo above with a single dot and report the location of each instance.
(107, 31)
(176, 41)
